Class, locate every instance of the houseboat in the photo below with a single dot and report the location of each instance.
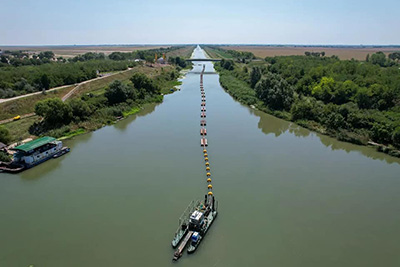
(34, 153)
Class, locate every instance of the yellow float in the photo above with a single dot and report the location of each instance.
(208, 174)
(205, 155)
(207, 164)
(210, 193)
(207, 168)
(209, 180)
(206, 159)
(209, 186)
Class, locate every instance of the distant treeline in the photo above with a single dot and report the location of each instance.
(237, 55)
(355, 101)
(22, 73)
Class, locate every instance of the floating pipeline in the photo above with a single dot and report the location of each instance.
(194, 226)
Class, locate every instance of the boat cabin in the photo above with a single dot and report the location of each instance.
(36, 151)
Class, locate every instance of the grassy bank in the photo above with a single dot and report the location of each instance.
(92, 100)
(26, 105)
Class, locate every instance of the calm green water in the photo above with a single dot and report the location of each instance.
(287, 197)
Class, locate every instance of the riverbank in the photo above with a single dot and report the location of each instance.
(242, 92)
(99, 113)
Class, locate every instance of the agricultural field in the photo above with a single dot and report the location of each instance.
(358, 53)
(69, 51)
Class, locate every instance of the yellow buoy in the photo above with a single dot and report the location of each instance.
(210, 193)
(207, 168)
(207, 164)
(209, 186)
(205, 151)
(209, 180)
(208, 174)
(205, 155)
(206, 159)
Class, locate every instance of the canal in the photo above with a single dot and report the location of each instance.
(287, 196)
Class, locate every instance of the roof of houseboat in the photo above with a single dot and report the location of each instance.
(35, 144)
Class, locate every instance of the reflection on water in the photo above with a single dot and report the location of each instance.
(272, 125)
(147, 109)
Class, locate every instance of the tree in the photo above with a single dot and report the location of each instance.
(275, 92)
(394, 56)
(144, 84)
(54, 111)
(305, 109)
(379, 58)
(324, 90)
(363, 98)
(255, 76)
(345, 92)
(80, 109)
(45, 82)
(4, 135)
(396, 137)
(46, 55)
(118, 92)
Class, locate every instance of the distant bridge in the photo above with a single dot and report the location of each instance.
(203, 59)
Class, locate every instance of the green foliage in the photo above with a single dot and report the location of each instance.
(144, 85)
(306, 109)
(89, 56)
(57, 74)
(4, 135)
(45, 82)
(54, 111)
(395, 56)
(46, 55)
(351, 100)
(118, 92)
(275, 92)
(4, 157)
(80, 109)
(227, 64)
(178, 61)
(324, 90)
(378, 58)
(240, 90)
(255, 76)
(396, 137)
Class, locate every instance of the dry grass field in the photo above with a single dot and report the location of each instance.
(342, 52)
(71, 51)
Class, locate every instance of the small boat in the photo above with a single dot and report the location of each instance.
(63, 151)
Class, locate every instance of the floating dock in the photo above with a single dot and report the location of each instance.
(203, 142)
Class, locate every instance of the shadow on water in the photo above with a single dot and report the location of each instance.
(147, 109)
(272, 125)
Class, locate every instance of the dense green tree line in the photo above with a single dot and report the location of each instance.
(26, 79)
(21, 73)
(119, 97)
(353, 100)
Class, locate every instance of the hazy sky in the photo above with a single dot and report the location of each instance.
(41, 22)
